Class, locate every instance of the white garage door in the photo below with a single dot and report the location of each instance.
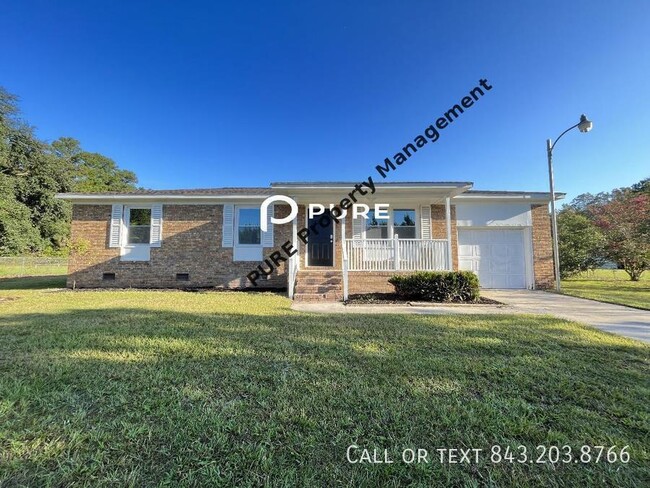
(496, 256)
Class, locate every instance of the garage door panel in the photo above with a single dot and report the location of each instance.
(497, 256)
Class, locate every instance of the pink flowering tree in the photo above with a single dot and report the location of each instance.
(625, 223)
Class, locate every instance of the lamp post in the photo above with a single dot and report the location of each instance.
(584, 125)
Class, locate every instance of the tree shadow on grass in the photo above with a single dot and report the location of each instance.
(33, 282)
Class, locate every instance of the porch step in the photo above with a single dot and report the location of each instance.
(318, 297)
(317, 286)
(318, 273)
(319, 281)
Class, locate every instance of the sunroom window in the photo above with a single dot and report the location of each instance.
(404, 223)
(139, 228)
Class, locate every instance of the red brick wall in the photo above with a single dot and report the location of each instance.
(371, 282)
(542, 247)
(439, 229)
(191, 244)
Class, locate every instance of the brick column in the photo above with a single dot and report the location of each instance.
(542, 247)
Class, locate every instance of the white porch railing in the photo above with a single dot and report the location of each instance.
(397, 254)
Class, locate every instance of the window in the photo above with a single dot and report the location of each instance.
(139, 226)
(404, 223)
(248, 226)
(376, 228)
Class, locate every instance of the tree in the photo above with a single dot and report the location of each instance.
(32, 172)
(625, 223)
(642, 187)
(582, 203)
(93, 172)
(17, 232)
(581, 243)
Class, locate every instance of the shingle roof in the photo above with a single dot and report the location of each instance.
(378, 183)
(192, 191)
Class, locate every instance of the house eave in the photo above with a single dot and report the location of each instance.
(85, 198)
(507, 196)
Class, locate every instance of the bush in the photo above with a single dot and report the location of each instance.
(437, 286)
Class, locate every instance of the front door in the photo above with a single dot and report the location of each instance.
(320, 247)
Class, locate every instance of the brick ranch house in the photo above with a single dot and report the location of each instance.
(212, 238)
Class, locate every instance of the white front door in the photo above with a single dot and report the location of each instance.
(498, 257)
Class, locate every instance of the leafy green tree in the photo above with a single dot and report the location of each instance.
(17, 233)
(642, 187)
(581, 243)
(93, 172)
(33, 172)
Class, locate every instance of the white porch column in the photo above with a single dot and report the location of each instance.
(450, 260)
(294, 239)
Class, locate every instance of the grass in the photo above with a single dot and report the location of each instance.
(143, 388)
(32, 266)
(611, 286)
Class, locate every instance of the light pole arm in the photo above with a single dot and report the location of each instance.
(550, 147)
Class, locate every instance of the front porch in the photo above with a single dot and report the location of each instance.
(366, 266)
(418, 235)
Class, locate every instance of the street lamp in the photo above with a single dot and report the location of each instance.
(584, 125)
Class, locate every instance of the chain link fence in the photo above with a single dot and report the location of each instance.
(32, 266)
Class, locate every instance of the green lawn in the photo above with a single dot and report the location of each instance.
(135, 388)
(32, 266)
(612, 286)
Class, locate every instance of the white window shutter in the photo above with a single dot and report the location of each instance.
(228, 225)
(156, 224)
(425, 221)
(267, 237)
(115, 239)
(357, 227)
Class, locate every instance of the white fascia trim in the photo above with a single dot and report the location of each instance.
(125, 198)
(377, 185)
(507, 198)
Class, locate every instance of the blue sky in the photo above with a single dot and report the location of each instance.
(199, 94)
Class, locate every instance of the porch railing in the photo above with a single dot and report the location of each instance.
(397, 254)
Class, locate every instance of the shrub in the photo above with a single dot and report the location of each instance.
(437, 286)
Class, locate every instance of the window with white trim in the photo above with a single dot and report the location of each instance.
(376, 228)
(404, 223)
(248, 226)
(138, 228)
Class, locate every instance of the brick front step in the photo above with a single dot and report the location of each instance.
(319, 274)
(318, 286)
(329, 296)
(319, 281)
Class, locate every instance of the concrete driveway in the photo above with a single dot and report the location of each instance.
(626, 321)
